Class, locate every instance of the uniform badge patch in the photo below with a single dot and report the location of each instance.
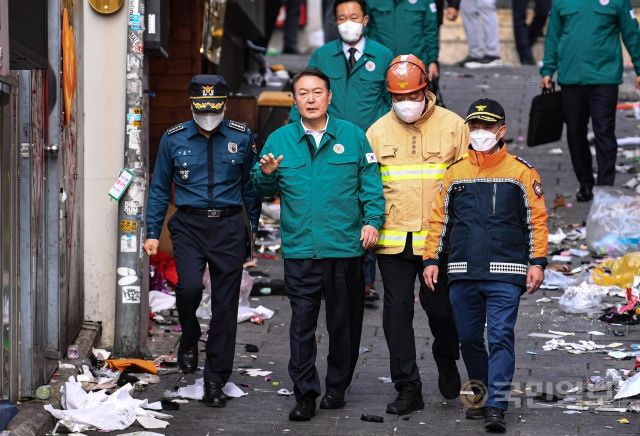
(238, 126)
(537, 188)
(604, 2)
(184, 174)
(174, 129)
(519, 159)
(254, 148)
(232, 147)
(338, 148)
(413, 2)
(433, 7)
(370, 65)
(371, 158)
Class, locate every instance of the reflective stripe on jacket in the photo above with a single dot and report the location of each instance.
(413, 159)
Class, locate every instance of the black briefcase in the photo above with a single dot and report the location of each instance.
(545, 118)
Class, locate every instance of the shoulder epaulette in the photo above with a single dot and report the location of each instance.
(522, 161)
(237, 126)
(174, 129)
(463, 157)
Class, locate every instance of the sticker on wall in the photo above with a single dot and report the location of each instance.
(128, 244)
(128, 226)
(131, 294)
(121, 184)
(124, 271)
(136, 43)
(127, 280)
(131, 207)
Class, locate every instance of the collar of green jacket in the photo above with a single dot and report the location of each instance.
(367, 48)
(331, 131)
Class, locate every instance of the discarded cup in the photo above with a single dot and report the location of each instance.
(73, 352)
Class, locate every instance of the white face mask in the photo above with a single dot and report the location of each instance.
(409, 111)
(483, 140)
(207, 120)
(350, 31)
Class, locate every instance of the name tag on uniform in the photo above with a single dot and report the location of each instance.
(371, 158)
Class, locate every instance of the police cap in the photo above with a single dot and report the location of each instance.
(208, 93)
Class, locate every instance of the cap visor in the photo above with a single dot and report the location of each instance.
(215, 105)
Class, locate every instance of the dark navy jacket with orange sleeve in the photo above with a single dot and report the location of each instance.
(489, 221)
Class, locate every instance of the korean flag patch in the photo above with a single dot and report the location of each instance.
(433, 7)
(371, 158)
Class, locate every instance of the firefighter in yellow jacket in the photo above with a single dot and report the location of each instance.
(415, 143)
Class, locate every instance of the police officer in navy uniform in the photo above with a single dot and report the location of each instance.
(208, 159)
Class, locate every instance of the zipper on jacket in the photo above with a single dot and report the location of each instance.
(495, 188)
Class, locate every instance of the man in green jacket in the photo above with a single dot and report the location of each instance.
(356, 67)
(583, 46)
(407, 26)
(332, 207)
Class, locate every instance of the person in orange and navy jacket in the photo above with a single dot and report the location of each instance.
(491, 219)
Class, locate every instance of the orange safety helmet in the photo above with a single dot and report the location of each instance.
(406, 74)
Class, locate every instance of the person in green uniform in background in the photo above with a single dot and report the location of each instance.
(407, 26)
(356, 67)
(583, 46)
(332, 207)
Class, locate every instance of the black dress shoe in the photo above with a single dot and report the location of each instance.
(188, 358)
(408, 400)
(474, 413)
(305, 410)
(213, 395)
(494, 420)
(449, 380)
(331, 401)
(585, 193)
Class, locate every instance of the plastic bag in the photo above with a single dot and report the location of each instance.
(245, 288)
(613, 223)
(584, 298)
(618, 272)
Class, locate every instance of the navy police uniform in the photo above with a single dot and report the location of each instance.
(211, 179)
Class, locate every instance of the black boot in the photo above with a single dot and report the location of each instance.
(213, 395)
(494, 420)
(305, 409)
(473, 413)
(409, 399)
(585, 193)
(188, 358)
(449, 380)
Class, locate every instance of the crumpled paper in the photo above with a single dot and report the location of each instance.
(245, 313)
(84, 411)
(196, 391)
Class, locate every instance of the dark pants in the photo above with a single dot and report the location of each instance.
(290, 23)
(598, 101)
(219, 242)
(526, 34)
(341, 282)
(370, 268)
(477, 301)
(398, 272)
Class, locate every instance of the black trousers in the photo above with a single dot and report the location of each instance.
(342, 283)
(272, 7)
(598, 101)
(398, 272)
(526, 34)
(219, 242)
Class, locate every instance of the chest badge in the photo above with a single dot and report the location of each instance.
(370, 66)
(232, 147)
(338, 148)
(184, 174)
(413, 2)
(604, 2)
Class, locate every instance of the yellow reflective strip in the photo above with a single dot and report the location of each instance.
(419, 237)
(386, 232)
(392, 238)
